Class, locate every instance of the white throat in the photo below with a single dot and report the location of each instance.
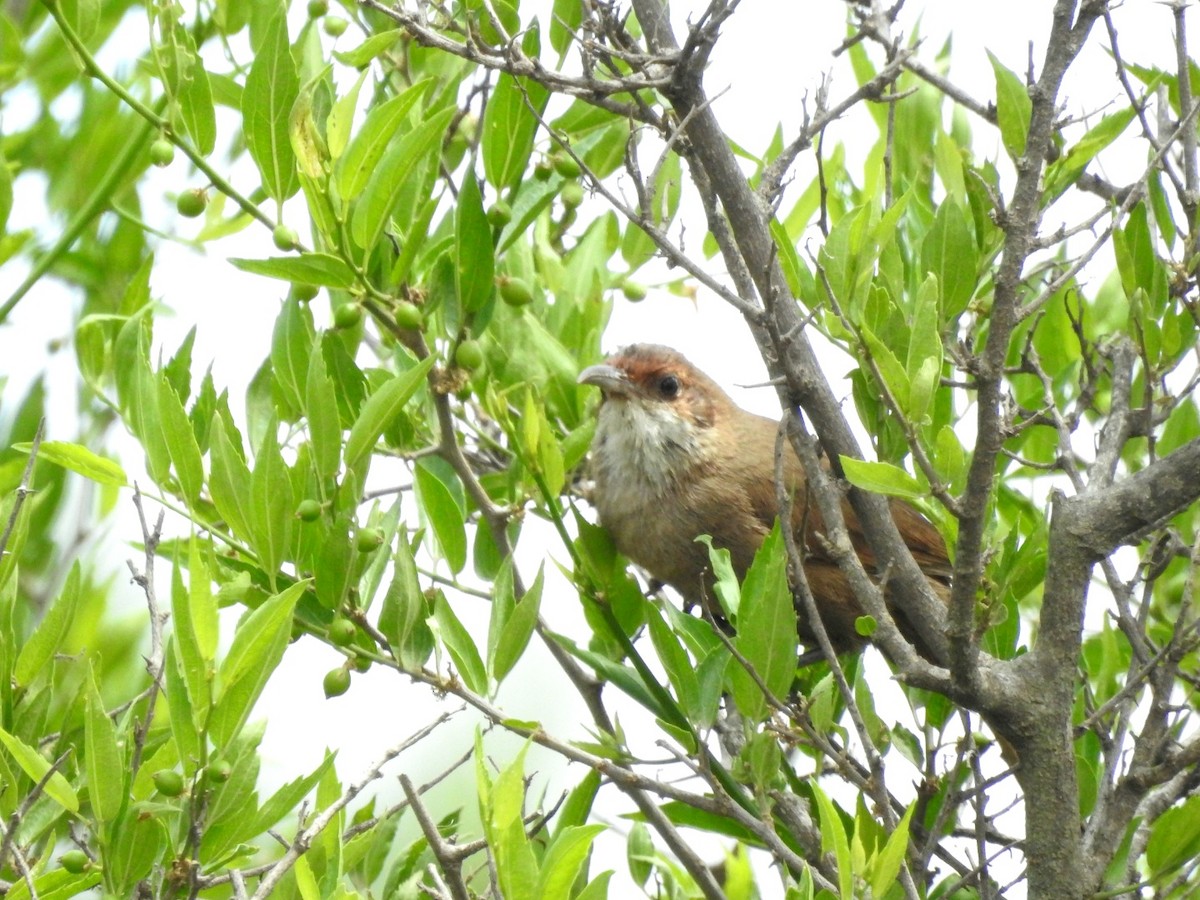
(639, 451)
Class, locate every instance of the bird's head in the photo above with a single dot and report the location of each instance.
(658, 416)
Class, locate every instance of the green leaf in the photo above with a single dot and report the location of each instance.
(442, 507)
(79, 459)
(890, 369)
(565, 19)
(510, 127)
(105, 762)
(341, 118)
(369, 49)
(516, 632)
(393, 176)
(272, 87)
(474, 259)
(882, 478)
(272, 506)
(229, 479)
(183, 715)
(515, 862)
(50, 633)
(887, 864)
(1174, 838)
(36, 766)
(403, 607)
(1013, 108)
(55, 884)
(461, 647)
(291, 344)
(381, 409)
(766, 629)
(356, 168)
(833, 839)
(1063, 172)
(258, 646)
(180, 440)
(949, 251)
(563, 859)
(924, 363)
(195, 615)
(321, 409)
(319, 269)
(675, 660)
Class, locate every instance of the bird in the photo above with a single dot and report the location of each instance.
(674, 457)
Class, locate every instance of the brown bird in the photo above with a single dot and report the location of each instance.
(674, 457)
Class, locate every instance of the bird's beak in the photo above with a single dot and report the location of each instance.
(608, 378)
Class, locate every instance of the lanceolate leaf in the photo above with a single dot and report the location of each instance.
(380, 409)
(271, 88)
(258, 646)
(319, 269)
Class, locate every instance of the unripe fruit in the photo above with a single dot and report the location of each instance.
(218, 771)
(469, 355)
(368, 539)
(334, 27)
(336, 682)
(305, 292)
(342, 631)
(285, 238)
(572, 194)
(162, 152)
(168, 782)
(543, 170)
(347, 316)
(633, 291)
(515, 292)
(361, 663)
(308, 510)
(500, 214)
(317, 8)
(566, 166)
(192, 203)
(74, 861)
(409, 315)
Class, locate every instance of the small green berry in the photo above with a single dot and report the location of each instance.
(633, 291)
(308, 510)
(218, 771)
(334, 27)
(515, 292)
(368, 539)
(572, 194)
(192, 203)
(74, 861)
(361, 663)
(336, 682)
(285, 237)
(347, 315)
(409, 315)
(317, 8)
(162, 152)
(566, 166)
(168, 782)
(543, 170)
(469, 355)
(342, 631)
(304, 292)
(500, 214)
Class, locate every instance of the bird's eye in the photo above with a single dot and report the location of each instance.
(668, 387)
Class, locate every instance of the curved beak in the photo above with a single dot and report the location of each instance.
(608, 378)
